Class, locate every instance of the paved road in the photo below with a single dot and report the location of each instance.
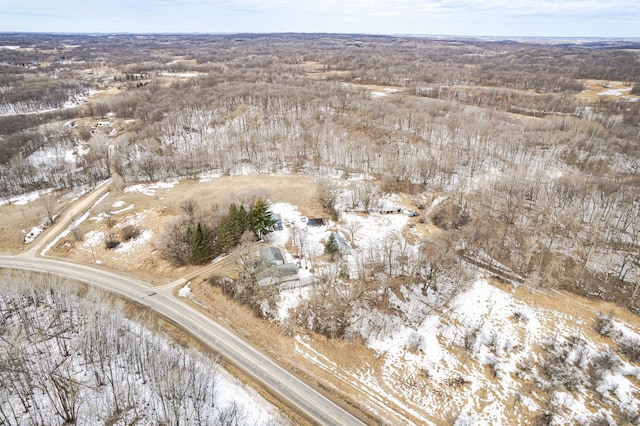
(231, 346)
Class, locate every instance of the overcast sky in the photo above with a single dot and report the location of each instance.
(559, 18)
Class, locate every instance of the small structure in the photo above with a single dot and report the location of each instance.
(271, 256)
(270, 268)
(316, 222)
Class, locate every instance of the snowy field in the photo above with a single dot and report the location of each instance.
(476, 359)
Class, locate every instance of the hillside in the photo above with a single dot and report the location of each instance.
(73, 355)
(458, 220)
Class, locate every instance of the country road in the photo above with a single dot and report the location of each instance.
(232, 347)
(66, 217)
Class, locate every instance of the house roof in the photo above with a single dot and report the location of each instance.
(342, 244)
(271, 254)
(277, 274)
(316, 222)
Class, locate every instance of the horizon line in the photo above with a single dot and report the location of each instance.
(192, 33)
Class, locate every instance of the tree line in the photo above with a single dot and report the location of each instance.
(196, 238)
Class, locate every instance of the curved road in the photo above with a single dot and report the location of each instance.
(232, 347)
(316, 407)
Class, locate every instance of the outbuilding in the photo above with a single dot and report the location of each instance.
(271, 256)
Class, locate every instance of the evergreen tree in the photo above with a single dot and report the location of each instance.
(225, 234)
(201, 245)
(261, 218)
(242, 223)
(232, 226)
(331, 246)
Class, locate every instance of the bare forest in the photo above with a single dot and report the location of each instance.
(470, 195)
(540, 179)
(74, 355)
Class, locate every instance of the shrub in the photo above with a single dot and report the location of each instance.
(414, 342)
(630, 347)
(129, 232)
(600, 419)
(449, 215)
(111, 241)
(604, 325)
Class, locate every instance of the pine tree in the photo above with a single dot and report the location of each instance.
(331, 246)
(261, 218)
(201, 245)
(242, 223)
(225, 234)
(232, 226)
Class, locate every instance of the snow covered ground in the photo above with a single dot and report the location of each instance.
(85, 361)
(483, 358)
(151, 188)
(29, 109)
(469, 361)
(24, 199)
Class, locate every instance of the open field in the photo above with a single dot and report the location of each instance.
(152, 210)
(598, 90)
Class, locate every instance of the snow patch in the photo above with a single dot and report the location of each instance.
(32, 234)
(209, 176)
(93, 239)
(614, 92)
(24, 199)
(191, 74)
(185, 291)
(135, 243)
(151, 188)
(73, 225)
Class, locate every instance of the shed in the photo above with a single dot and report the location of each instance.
(278, 274)
(316, 222)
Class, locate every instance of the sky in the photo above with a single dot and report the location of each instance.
(542, 18)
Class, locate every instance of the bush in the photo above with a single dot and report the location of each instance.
(600, 364)
(600, 419)
(630, 347)
(111, 241)
(604, 325)
(628, 415)
(449, 215)
(414, 343)
(129, 232)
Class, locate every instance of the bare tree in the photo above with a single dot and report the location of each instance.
(327, 194)
(190, 208)
(353, 227)
(49, 206)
